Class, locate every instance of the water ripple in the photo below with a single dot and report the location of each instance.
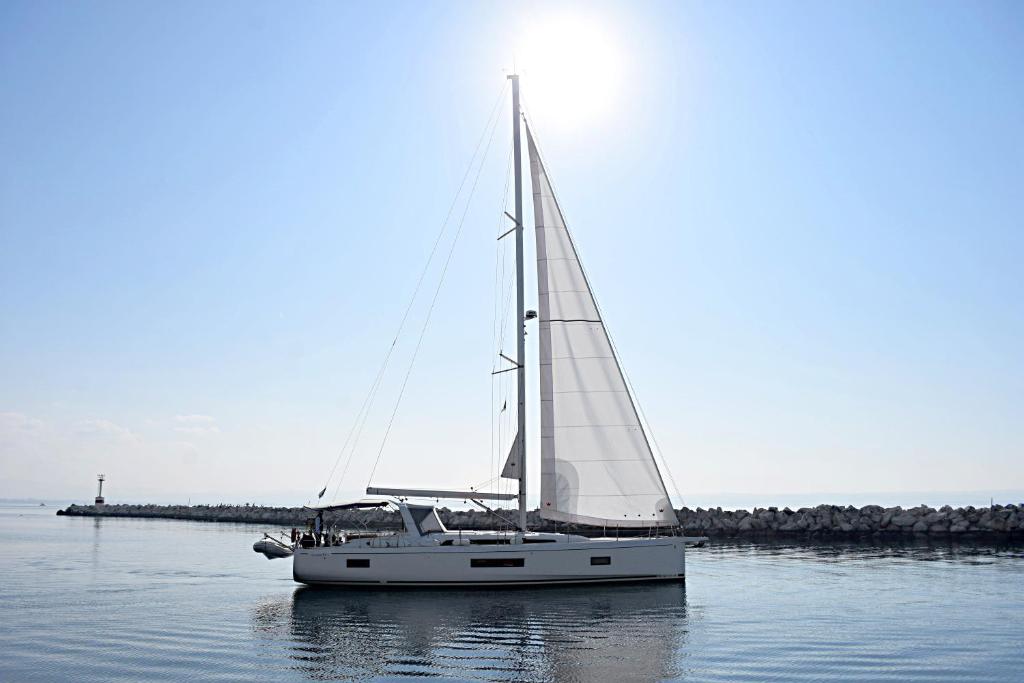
(129, 600)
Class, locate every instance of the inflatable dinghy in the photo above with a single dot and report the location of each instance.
(272, 548)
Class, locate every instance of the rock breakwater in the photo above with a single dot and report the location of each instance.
(870, 520)
(997, 521)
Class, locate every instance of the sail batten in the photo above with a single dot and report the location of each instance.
(597, 466)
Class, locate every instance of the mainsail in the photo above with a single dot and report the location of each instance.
(597, 466)
(512, 468)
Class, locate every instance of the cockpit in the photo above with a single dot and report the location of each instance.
(417, 521)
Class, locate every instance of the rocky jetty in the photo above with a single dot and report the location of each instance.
(244, 514)
(997, 521)
(849, 521)
(297, 516)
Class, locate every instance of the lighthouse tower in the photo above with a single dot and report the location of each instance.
(99, 493)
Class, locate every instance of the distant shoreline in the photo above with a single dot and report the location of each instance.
(996, 522)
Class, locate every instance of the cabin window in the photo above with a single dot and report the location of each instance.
(600, 560)
(496, 562)
(357, 564)
(490, 541)
(538, 540)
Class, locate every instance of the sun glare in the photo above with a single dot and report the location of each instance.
(570, 67)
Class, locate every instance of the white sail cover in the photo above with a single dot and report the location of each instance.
(596, 463)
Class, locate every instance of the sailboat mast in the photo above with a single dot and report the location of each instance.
(520, 302)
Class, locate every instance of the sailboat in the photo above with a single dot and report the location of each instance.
(597, 468)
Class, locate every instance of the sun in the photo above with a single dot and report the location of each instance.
(571, 68)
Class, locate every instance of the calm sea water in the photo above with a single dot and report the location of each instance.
(130, 600)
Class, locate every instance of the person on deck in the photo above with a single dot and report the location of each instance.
(318, 527)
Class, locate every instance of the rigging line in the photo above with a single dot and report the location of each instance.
(359, 433)
(501, 257)
(637, 408)
(501, 251)
(374, 388)
(500, 331)
(499, 267)
(643, 416)
(506, 313)
(494, 324)
(355, 423)
(375, 391)
(507, 382)
(433, 301)
(495, 429)
(477, 487)
(503, 309)
(505, 295)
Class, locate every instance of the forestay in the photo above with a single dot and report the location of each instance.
(596, 463)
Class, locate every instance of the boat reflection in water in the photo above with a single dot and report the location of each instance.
(584, 634)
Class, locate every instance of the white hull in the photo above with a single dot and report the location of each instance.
(571, 560)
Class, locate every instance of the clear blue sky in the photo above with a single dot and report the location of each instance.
(804, 222)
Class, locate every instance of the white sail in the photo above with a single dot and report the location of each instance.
(512, 469)
(596, 463)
